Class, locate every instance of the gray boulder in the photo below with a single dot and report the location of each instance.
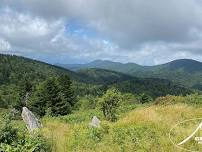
(30, 120)
(95, 122)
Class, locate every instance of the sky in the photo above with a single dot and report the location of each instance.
(80, 31)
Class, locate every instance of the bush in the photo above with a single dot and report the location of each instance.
(81, 116)
(87, 102)
(96, 134)
(8, 134)
(12, 140)
(144, 98)
(34, 143)
(109, 103)
(3, 103)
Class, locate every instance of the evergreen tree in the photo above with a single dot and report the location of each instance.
(46, 97)
(51, 95)
(38, 101)
(66, 94)
(54, 96)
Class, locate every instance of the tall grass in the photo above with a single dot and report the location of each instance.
(142, 129)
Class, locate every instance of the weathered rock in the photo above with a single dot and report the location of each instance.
(95, 122)
(30, 120)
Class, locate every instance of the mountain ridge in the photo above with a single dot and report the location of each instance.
(187, 72)
(103, 62)
(14, 70)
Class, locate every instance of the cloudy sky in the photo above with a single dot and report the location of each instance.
(78, 31)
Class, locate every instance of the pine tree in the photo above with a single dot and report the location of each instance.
(46, 97)
(54, 96)
(66, 94)
(51, 95)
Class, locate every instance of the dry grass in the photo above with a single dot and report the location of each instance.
(141, 123)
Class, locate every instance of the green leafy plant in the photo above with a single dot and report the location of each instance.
(14, 140)
(8, 134)
(144, 98)
(109, 103)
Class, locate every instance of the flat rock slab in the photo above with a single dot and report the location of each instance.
(30, 120)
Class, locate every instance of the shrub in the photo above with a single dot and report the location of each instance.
(3, 103)
(34, 143)
(96, 134)
(87, 102)
(144, 98)
(13, 140)
(8, 134)
(109, 103)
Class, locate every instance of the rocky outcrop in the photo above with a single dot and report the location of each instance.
(30, 120)
(95, 122)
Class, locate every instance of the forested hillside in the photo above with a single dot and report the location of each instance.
(184, 72)
(126, 83)
(19, 73)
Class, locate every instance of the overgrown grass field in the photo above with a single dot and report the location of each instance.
(146, 128)
(140, 127)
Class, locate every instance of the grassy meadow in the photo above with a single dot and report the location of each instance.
(145, 128)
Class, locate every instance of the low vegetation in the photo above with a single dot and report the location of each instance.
(17, 139)
(144, 128)
(139, 127)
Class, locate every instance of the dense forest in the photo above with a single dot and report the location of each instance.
(19, 74)
(184, 71)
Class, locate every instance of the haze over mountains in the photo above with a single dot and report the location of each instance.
(186, 72)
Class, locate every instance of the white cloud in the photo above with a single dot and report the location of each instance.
(4, 46)
(34, 36)
(142, 31)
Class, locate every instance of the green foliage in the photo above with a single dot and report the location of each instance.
(8, 134)
(137, 135)
(185, 72)
(96, 134)
(144, 128)
(109, 103)
(87, 102)
(66, 93)
(14, 140)
(53, 96)
(144, 98)
(151, 86)
(19, 75)
(193, 99)
(3, 103)
(81, 116)
(34, 143)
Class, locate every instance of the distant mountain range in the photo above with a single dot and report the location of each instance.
(15, 70)
(185, 72)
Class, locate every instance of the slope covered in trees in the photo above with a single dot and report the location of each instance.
(126, 83)
(19, 75)
(184, 71)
